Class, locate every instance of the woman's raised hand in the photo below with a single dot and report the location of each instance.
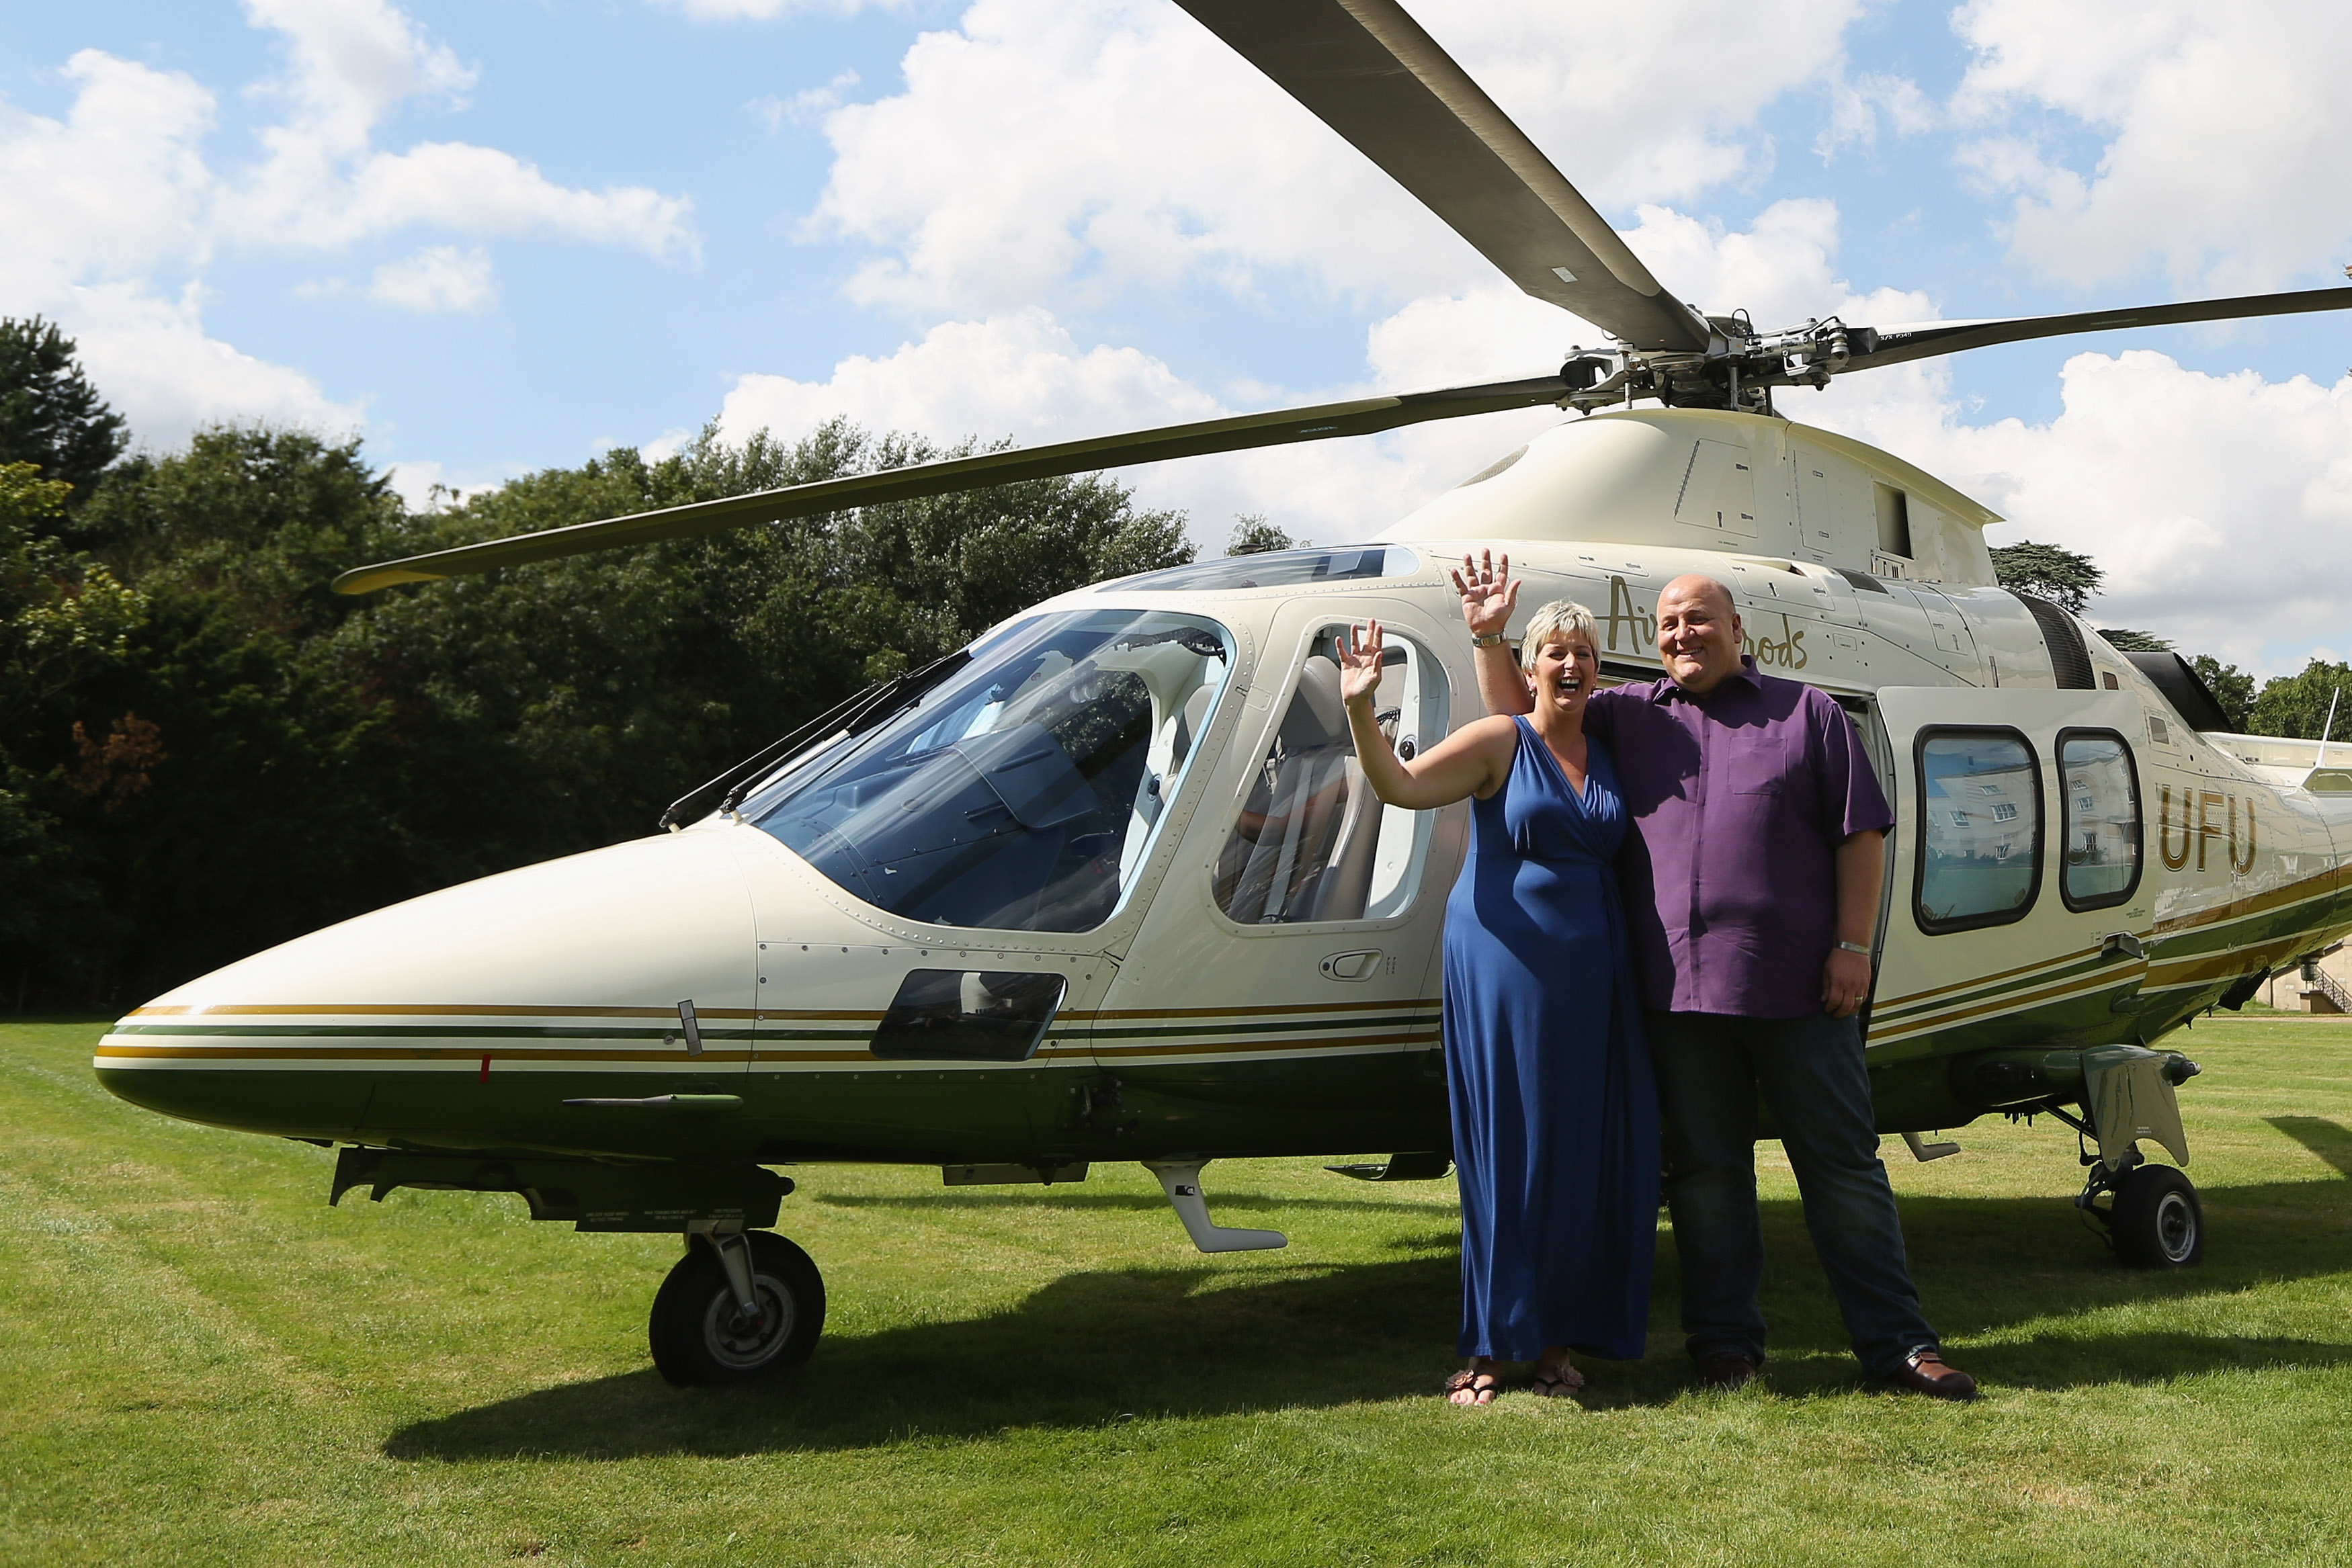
(1359, 663)
(1488, 595)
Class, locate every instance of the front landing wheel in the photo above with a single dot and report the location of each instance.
(2157, 1221)
(700, 1333)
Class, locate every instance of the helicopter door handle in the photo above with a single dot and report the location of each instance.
(1361, 965)
(2122, 943)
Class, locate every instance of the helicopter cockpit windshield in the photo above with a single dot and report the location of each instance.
(1020, 794)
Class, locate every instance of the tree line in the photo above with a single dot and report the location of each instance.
(204, 750)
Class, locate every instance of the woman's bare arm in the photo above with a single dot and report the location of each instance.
(1473, 760)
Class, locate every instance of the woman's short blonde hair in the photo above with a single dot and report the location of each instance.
(1558, 621)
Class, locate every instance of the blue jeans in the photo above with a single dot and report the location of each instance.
(1710, 1070)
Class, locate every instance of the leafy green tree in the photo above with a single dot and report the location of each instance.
(50, 415)
(2298, 705)
(2232, 687)
(2064, 577)
(219, 773)
(63, 619)
(267, 757)
(1252, 535)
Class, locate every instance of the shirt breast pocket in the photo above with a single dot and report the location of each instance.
(1760, 765)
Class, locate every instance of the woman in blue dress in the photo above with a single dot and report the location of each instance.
(1555, 1115)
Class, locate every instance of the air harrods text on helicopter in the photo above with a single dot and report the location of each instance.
(1638, 627)
(1108, 884)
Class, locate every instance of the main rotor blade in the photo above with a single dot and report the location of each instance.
(1898, 344)
(1362, 416)
(1369, 72)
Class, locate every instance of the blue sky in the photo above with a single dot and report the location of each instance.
(502, 235)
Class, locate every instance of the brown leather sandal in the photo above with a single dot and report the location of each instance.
(1479, 1382)
(1558, 1381)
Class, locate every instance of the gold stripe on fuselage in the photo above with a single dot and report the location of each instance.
(1068, 1042)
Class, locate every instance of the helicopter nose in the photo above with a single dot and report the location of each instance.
(576, 963)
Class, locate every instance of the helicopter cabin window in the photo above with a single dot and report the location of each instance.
(1025, 793)
(2102, 830)
(1980, 828)
(1311, 842)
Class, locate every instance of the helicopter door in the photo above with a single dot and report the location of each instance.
(1000, 837)
(1287, 971)
(2016, 912)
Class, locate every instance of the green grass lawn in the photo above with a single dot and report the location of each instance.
(204, 1363)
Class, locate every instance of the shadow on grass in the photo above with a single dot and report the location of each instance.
(2331, 1141)
(1097, 1347)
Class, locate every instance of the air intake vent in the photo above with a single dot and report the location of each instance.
(2190, 696)
(2069, 660)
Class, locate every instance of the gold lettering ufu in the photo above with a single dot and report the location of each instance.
(2206, 829)
(2198, 828)
(2164, 829)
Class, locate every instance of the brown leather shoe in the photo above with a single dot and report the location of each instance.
(1924, 1372)
(1726, 1370)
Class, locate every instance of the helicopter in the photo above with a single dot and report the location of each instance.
(1108, 884)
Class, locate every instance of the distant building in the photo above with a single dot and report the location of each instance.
(2329, 992)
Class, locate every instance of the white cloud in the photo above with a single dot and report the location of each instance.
(353, 61)
(1047, 145)
(116, 188)
(113, 213)
(157, 364)
(1020, 374)
(323, 185)
(2219, 506)
(482, 191)
(2220, 127)
(430, 487)
(1860, 107)
(437, 278)
(765, 10)
(808, 105)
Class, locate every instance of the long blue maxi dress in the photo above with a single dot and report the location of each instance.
(1554, 1112)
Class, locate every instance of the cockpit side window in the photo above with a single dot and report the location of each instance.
(1311, 843)
(1024, 793)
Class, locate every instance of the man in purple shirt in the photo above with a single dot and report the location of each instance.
(1751, 884)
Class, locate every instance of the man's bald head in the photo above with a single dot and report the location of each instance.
(1699, 584)
(1698, 632)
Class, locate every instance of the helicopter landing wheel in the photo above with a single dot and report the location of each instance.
(700, 1333)
(2157, 1221)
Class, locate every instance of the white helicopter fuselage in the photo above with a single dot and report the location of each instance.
(1255, 970)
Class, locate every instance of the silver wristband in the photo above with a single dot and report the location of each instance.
(1486, 639)
(1854, 947)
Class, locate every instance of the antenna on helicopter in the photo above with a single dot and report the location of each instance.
(2329, 728)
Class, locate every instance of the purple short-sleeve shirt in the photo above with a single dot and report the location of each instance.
(1738, 802)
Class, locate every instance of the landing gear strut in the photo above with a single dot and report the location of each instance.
(2152, 1218)
(735, 1307)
